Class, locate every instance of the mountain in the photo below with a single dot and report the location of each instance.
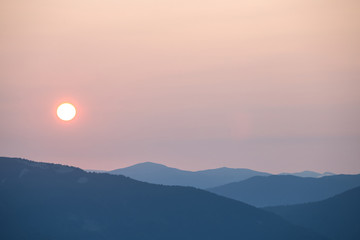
(309, 174)
(285, 189)
(96, 171)
(337, 217)
(50, 201)
(161, 174)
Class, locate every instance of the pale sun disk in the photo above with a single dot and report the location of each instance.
(66, 111)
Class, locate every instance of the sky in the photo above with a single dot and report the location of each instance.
(271, 85)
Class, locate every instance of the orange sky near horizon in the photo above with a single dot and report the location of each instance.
(269, 85)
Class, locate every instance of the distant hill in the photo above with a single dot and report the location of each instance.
(309, 174)
(161, 174)
(50, 201)
(285, 189)
(337, 217)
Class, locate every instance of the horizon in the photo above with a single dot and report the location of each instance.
(178, 168)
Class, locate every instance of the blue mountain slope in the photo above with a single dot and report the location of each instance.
(285, 189)
(161, 174)
(309, 174)
(49, 201)
(337, 217)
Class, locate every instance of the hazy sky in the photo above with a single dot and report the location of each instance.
(271, 85)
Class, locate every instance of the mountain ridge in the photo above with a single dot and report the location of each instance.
(309, 174)
(286, 189)
(51, 201)
(337, 217)
(208, 178)
(162, 174)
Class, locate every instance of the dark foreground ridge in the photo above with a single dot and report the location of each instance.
(51, 201)
(337, 217)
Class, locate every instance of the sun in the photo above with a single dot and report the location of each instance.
(66, 111)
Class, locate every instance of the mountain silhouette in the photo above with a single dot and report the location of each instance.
(278, 190)
(337, 217)
(50, 201)
(161, 174)
(309, 174)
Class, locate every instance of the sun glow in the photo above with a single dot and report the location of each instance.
(66, 111)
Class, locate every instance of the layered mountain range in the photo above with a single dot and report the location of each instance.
(52, 201)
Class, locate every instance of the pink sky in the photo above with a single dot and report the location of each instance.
(271, 85)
